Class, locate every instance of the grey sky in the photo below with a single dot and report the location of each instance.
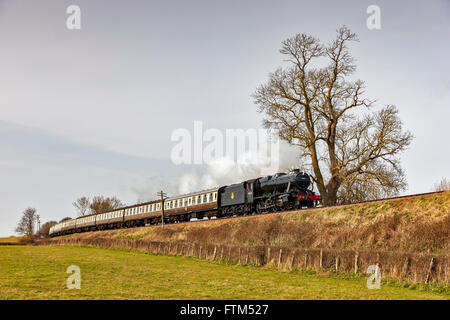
(91, 111)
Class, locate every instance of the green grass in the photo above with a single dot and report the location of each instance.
(28, 272)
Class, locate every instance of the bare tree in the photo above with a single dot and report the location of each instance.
(82, 205)
(101, 204)
(442, 185)
(27, 223)
(350, 152)
(45, 229)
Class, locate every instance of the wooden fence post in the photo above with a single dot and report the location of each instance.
(200, 253)
(321, 259)
(215, 250)
(292, 260)
(406, 266)
(356, 263)
(246, 258)
(279, 258)
(430, 269)
(268, 255)
(337, 263)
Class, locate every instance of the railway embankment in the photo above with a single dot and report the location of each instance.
(409, 238)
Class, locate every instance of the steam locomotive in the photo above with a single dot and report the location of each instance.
(268, 194)
(282, 191)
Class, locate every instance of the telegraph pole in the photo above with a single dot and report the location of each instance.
(163, 197)
(38, 225)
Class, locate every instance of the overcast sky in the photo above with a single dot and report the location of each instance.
(91, 111)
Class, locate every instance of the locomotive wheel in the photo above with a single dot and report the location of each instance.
(259, 208)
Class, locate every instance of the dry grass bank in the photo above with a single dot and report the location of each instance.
(419, 224)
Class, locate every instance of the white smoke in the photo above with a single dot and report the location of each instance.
(220, 172)
(225, 171)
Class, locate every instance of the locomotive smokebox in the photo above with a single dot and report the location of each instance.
(280, 181)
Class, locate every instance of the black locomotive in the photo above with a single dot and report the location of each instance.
(282, 191)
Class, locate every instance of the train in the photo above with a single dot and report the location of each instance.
(279, 192)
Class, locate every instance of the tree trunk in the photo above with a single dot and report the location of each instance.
(329, 198)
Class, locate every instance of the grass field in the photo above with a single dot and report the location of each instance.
(28, 272)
